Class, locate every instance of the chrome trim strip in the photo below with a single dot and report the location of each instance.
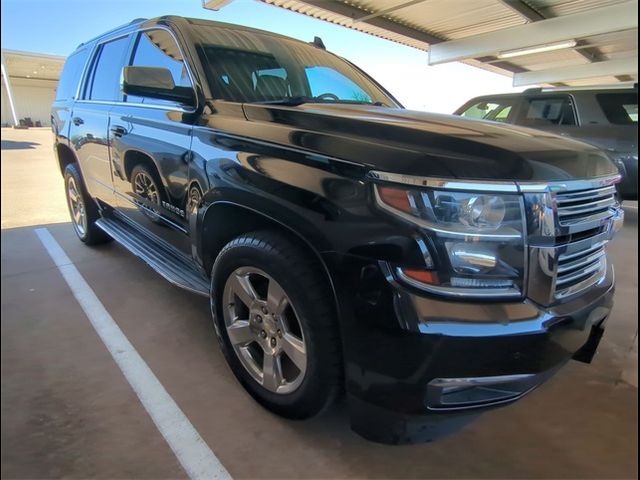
(170, 108)
(582, 272)
(569, 185)
(564, 257)
(581, 263)
(507, 186)
(476, 381)
(456, 292)
(586, 207)
(571, 197)
(445, 183)
(586, 222)
(595, 279)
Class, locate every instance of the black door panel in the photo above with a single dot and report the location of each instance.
(148, 138)
(89, 139)
(150, 147)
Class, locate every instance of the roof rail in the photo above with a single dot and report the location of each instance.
(609, 86)
(134, 21)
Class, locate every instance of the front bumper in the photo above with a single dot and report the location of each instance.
(408, 356)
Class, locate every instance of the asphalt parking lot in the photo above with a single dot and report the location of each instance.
(67, 410)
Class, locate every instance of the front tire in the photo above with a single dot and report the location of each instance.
(82, 208)
(276, 323)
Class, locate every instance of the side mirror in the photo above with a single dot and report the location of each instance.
(155, 82)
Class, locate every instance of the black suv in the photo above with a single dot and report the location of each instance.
(428, 266)
(606, 117)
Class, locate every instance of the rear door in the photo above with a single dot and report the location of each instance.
(66, 94)
(150, 146)
(90, 117)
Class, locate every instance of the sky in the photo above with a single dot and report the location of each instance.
(58, 26)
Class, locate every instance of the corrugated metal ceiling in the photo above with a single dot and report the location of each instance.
(419, 23)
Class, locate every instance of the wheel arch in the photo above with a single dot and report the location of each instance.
(132, 158)
(65, 156)
(224, 220)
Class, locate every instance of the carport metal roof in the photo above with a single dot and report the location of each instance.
(583, 41)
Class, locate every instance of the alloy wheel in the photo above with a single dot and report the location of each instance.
(76, 207)
(264, 330)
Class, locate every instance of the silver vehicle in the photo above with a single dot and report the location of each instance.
(606, 117)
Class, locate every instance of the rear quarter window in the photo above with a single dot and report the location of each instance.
(619, 108)
(70, 76)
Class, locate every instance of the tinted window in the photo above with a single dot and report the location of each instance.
(70, 76)
(157, 48)
(556, 110)
(497, 110)
(327, 81)
(619, 108)
(246, 66)
(105, 81)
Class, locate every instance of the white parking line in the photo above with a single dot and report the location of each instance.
(192, 452)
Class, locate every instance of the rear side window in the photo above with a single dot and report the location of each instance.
(556, 110)
(157, 48)
(107, 68)
(498, 111)
(619, 108)
(70, 76)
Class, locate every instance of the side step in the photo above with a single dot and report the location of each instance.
(165, 259)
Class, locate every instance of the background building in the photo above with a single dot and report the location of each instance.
(29, 82)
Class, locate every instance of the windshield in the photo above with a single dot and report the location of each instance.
(254, 67)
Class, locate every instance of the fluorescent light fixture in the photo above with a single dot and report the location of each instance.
(549, 47)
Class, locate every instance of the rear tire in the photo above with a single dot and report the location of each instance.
(290, 325)
(82, 208)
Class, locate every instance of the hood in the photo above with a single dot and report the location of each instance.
(426, 144)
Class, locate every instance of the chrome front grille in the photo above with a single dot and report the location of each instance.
(585, 206)
(580, 270)
(569, 225)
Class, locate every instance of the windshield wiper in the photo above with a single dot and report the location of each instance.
(299, 100)
(288, 101)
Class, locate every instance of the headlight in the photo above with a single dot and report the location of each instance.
(477, 239)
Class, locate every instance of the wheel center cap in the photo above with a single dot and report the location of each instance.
(270, 325)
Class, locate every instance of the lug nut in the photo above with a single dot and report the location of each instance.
(273, 341)
(264, 310)
(258, 319)
(263, 334)
(280, 333)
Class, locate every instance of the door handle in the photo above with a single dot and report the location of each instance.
(77, 121)
(118, 131)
